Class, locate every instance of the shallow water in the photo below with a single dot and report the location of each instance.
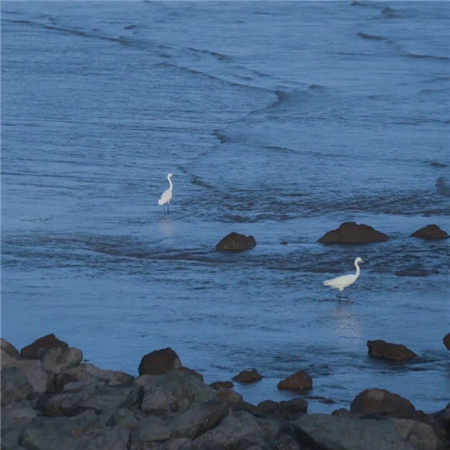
(280, 120)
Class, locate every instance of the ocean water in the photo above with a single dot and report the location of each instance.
(280, 120)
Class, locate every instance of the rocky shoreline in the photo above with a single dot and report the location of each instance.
(52, 400)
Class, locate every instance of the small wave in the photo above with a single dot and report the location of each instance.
(438, 164)
(217, 55)
(212, 77)
(371, 37)
(221, 136)
(421, 56)
(199, 182)
(389, 12)
(365, 4)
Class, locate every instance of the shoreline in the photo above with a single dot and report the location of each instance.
(49, 395)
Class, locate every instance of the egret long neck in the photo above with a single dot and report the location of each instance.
(170, 182)
(357, 270)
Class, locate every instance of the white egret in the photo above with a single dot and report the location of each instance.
(167, 194)
(344, 281)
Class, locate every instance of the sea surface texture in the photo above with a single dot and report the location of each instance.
(280, 120)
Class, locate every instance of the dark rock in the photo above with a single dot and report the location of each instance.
(9, 349)
(300, 381)
(95, 395)
(50, 433)
(352, 233)
(118, 417)
(442, 419)
(430, 232)
(86, 371)
(159, 361)
(39, 348)
(247, 376)
(235, 242)
(289, 410)
(198, 419)
(173, 392)
(446, 341)
(151, 429)
(386, 350)
(222, 384)
(418, 434)
(232, 431)
(15, 386)
(34, 371)
(382, 402)
(229, 396)
(59, 359)
(341, 412)
(320, 431)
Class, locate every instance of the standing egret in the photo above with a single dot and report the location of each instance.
(344, 281)
(167, 194)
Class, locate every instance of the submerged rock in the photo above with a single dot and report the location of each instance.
(385, 403)
(446, 341)
(235, 242)
(430, 232)
(386, 350)
(300, 381)
(352, 233)
(248, 376)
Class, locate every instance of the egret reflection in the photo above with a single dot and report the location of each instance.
(165, 225)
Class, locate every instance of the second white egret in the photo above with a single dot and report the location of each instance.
(167, 194)
(344, 281)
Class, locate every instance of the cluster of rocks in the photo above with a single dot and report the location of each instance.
(51, 400)
(347, 233)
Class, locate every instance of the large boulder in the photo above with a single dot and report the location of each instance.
(287, 409)
(222, 384)
(248, 376)
(86, 371)
(386, 350)
(59, 359)
(93, 394)
(39, 348)
(299, 381)
(173, 392)
(430, 232)
(34, 370)
(446, 341)
(199, 418)
(382, 402)
(419, 434)
(235, 242)
(15, 386)
(9, 349)
(237, 430)
(350, 433)
(159, 361)
(352, 233)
